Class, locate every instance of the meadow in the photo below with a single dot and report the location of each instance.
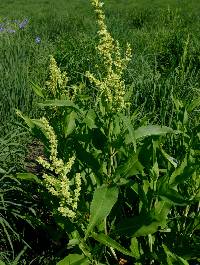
(99, 133)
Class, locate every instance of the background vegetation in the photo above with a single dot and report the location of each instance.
(163, 76)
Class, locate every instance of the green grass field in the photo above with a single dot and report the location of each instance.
(156, 30)
(163, 80)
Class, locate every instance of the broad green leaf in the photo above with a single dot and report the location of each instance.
(139, 226)
(69, 123)
(135, 248)
(131, 167)
(109, 242)
(2, 263)
(58, 103)
(130, 138)
(90, 119)
(87, 158)
(116, 126)
(37, 89)
(155, 171)
(74, 259)
(104, 199)
(172, 196)
(28, 176)
(149, 130)
(181, 173)
(162, 208)
(193, 105)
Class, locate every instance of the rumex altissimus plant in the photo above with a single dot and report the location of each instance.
(111, 87)
(118, 206)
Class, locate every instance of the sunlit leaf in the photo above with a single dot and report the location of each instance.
(74, 259)
(109, 242)
(135, 248)
(37, 89)
(28, 121)
(58, 103)
(130, 138)
(103, 201)
(28, 177)
(2, 171)
(90, 119)
(69, 123)
(149, 130)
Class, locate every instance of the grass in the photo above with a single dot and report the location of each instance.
(163, 72)
(156, 30)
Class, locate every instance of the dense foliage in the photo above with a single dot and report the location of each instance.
(113, 176)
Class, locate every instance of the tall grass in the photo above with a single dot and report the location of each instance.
(163, 83)
(157, 33)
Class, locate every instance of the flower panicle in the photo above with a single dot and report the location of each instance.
(56, 181)
(112, 86)
(58, 80)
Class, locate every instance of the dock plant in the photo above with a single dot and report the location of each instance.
(119, 192)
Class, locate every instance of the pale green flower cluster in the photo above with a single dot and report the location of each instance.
(58, 80)
(60, 185)
(112, 86)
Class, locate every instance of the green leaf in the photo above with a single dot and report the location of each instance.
(116, 127)
(193, 105)
(149, 130)
(135, 248)
(28, 121)
(87, 158)
(37, 89)
(2, 171)
(109, 242)
(181, 173)
(74, 259)
(178, 103)
(131, 167)
(139, 226)
(172, 196)
(104, 199)
(162, 209)
(58, 103)
(131, 132)
(28, 176)
(69, 123)
(90, 119)
(185, 117)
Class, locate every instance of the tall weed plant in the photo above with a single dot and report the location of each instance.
(117, 188)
